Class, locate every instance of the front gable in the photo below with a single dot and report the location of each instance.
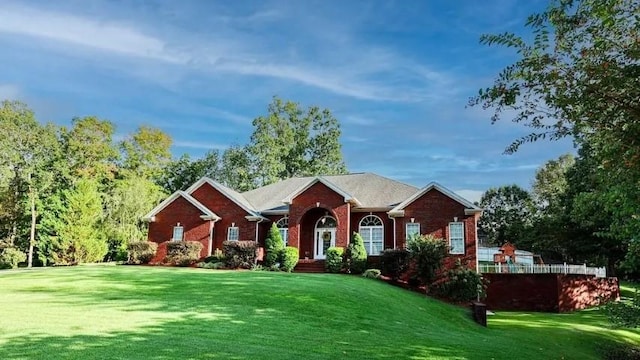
(469, 208)
(320, 182)
(224, 200)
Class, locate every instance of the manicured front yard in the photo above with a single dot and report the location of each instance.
(169, 313)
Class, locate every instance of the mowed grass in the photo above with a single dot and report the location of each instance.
(136, 312)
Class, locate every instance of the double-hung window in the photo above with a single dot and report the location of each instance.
(178, 233)
(412, 229)
(456, 238)
(233, 233)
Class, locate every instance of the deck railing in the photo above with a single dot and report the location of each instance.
(543, 269)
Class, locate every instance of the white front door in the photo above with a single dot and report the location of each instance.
(325, 238)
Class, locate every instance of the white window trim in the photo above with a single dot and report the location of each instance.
(461, 224)
(368, 243)
(237, 229)
(406, 229)
(173, 235)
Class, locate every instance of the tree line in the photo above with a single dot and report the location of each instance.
(576, 76)
(73, 194)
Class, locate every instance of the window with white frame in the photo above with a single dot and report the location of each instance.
(283, 228)
(456, 238)
(412, 229)
(233, 233)
(178, 233)
(372, 232)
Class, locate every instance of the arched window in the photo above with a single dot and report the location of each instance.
(283, 227)
(372, 232)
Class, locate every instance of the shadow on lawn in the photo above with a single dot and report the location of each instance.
(231, 315)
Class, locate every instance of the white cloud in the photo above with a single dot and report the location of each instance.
(76, 30)
(352, 70)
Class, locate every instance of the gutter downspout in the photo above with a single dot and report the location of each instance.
(257, 228)
(210, 247)
(394, 230)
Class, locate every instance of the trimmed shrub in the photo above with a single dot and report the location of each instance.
(356, 255)
(239, 254)
(183, 253)
(141, 252)
(461, 284)
(427, 253)
(618, 351)
(210, 265)
(371, 274)
(273, 247)
(290, 259)
(394, 263)
(217, 256)
(11, 257)
(333, 261)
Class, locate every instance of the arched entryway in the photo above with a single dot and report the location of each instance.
(325, 236)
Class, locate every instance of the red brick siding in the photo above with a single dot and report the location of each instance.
(548, 292)
(386, 222)
(303, 216)
(434, 211)
(229, 213)
(183, 212)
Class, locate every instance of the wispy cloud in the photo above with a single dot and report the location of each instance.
(410, 81)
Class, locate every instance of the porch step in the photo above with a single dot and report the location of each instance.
(308, 266)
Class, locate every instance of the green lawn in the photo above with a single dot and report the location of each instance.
(101, 312)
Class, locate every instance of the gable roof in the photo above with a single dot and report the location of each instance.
(347, 197)
(470, 207)
(208, 214)
(366, 190)
(233, 195)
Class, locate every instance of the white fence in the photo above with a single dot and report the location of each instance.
(543, 269)
(522, 257)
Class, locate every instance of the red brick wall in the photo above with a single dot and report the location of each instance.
(183, 212)
(303, 214)
(229, 212)
(434, 211)
(387, 223)
(548, 292)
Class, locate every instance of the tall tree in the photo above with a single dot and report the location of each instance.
(90, 150)
(550, 182)
(79, 238)
(26, 149)
(578, 76)
(290, 142)
(236, 170)
(146, 153)
(507, 214)
(125, 205)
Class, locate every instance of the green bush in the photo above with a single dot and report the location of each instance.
(461, 284)
(356, 255)
(290, 258)
(210, 265)
(371, 273)
(619, 351)
(11, 257)
(141, 252)
(624, 313)
(273, 247)
(333, 261)
(217, 256)
(394, 263)
(183, 253)
(427, 253)
(239, 254)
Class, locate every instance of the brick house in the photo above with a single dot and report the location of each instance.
(314, 213)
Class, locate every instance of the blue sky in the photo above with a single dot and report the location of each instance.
(396, 74)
